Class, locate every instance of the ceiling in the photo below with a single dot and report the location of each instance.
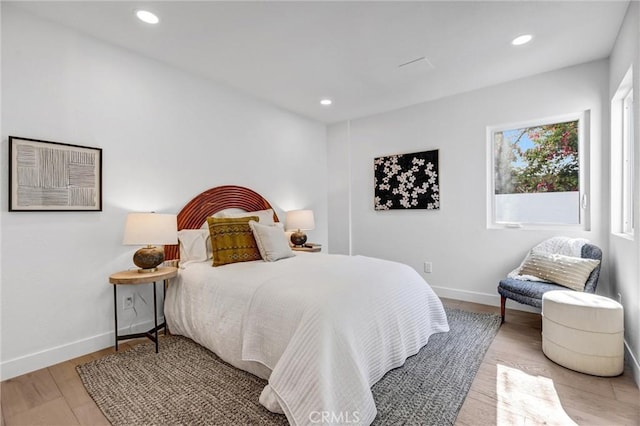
(293, 54)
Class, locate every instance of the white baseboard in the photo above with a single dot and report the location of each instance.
(48, 357)
(632, 361)
(482, 298)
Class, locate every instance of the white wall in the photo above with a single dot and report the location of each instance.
(339, 198)
(468, 259)
(625, 253)
(166, 136)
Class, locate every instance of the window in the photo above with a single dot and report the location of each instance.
(627, 164)
(537, 173)
(622, 154)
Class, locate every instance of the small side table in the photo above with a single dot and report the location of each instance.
(133, 277)
(310, 247)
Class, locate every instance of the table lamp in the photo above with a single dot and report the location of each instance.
(150, 229)
(299, 220)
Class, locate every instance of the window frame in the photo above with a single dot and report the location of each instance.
(627, 164)
(584, 194)
(622, 148)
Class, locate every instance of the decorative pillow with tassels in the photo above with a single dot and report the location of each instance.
(567, 271)
(232, 240)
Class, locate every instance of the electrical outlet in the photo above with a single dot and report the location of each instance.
(428, 267)
(127, 302)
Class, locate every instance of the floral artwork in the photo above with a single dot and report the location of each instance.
(407, 181)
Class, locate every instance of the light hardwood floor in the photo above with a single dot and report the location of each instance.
(515, 385)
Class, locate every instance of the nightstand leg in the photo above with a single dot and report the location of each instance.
(155, 313)
(164, 297)
(115, 312)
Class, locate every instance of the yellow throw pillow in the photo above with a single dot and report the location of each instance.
(232, 240)
(567, 271)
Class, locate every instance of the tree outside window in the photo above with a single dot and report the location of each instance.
(537, 159)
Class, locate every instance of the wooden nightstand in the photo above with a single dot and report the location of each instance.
(133, 277)
(310, 247)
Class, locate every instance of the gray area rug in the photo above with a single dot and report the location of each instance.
(186, 384)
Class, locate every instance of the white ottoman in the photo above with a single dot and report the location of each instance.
(583, 332)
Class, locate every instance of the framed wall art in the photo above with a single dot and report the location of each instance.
(52, 176)
(407, 181)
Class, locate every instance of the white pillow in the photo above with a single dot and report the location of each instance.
(568, 271)
(195, 245)
(231, 210)
(265, 216)
(271, 240)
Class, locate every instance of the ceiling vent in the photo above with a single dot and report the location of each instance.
(421, 61)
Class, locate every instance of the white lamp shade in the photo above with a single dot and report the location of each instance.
(300, 219)
(150, 229)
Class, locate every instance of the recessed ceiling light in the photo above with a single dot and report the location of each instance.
(326, 102)
(146, 16)
(520, 40)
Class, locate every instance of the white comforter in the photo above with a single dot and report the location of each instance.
(321, 328)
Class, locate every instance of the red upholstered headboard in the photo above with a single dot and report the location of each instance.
(211, 201)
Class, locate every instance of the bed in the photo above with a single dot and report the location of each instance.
(322, 329)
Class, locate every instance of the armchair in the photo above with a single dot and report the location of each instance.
(530, 292)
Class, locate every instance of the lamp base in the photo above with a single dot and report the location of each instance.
(148, 258)
(298, 238)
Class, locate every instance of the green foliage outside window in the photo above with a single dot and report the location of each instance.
(537, 159)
